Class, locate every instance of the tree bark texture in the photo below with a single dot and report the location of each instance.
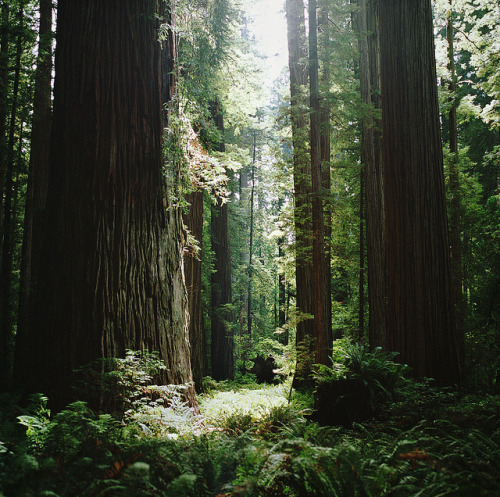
(297, 56)
(192, 271)
(222, 345)
(321, 331)
(371, 136)
(112, 275)
(325, 146)
(420, 311)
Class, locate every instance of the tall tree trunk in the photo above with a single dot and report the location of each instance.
(420, 310)
(36, 194)
(192, 271)
(361, 290)
(325, 145)
(222, 346)
(194, 217)
(373, 174)
(6, 280)
(112, 278)
(297, 55)
(321, 331)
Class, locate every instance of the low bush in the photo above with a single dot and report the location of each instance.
(253, 442)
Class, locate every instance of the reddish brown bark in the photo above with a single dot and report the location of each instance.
(420, 310)
(321, 331)
(372, 174)
(297, 55)
(192, 272)
(222, 345)
(112, 277)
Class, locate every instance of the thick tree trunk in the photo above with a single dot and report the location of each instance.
(372, 163)
(321, 328)
(297, 55)
(222, 345)
(420, 310)
(192, 271)
(112, 274)
(222, 339)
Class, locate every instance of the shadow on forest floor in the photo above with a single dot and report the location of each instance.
(252, 441)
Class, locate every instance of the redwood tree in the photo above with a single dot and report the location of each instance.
(299, 108)
(222, 345)
(112, 274)
(321, 325)
(372, 163)
(420, 310)
(193, 220)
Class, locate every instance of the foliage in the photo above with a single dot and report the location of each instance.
(117, 384)
(375, 368)
(252, 442)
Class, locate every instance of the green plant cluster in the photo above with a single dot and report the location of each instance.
(253, 442)
(380, 375)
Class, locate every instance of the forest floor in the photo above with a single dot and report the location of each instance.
(255, 440)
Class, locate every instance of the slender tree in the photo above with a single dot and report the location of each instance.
(192, 271)
(321, 326)
(372, 168)
(222, 345)
(420, 310)
(112, 274)
(325, 146)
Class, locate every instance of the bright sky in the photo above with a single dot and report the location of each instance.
(269, 27)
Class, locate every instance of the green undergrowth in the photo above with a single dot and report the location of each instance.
(252, 441)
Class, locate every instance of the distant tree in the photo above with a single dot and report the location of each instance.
(193, 220)
(112, 273)
(455, 208)
(222, 345)
(371, 157)
(325, 131)
(420, 306)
